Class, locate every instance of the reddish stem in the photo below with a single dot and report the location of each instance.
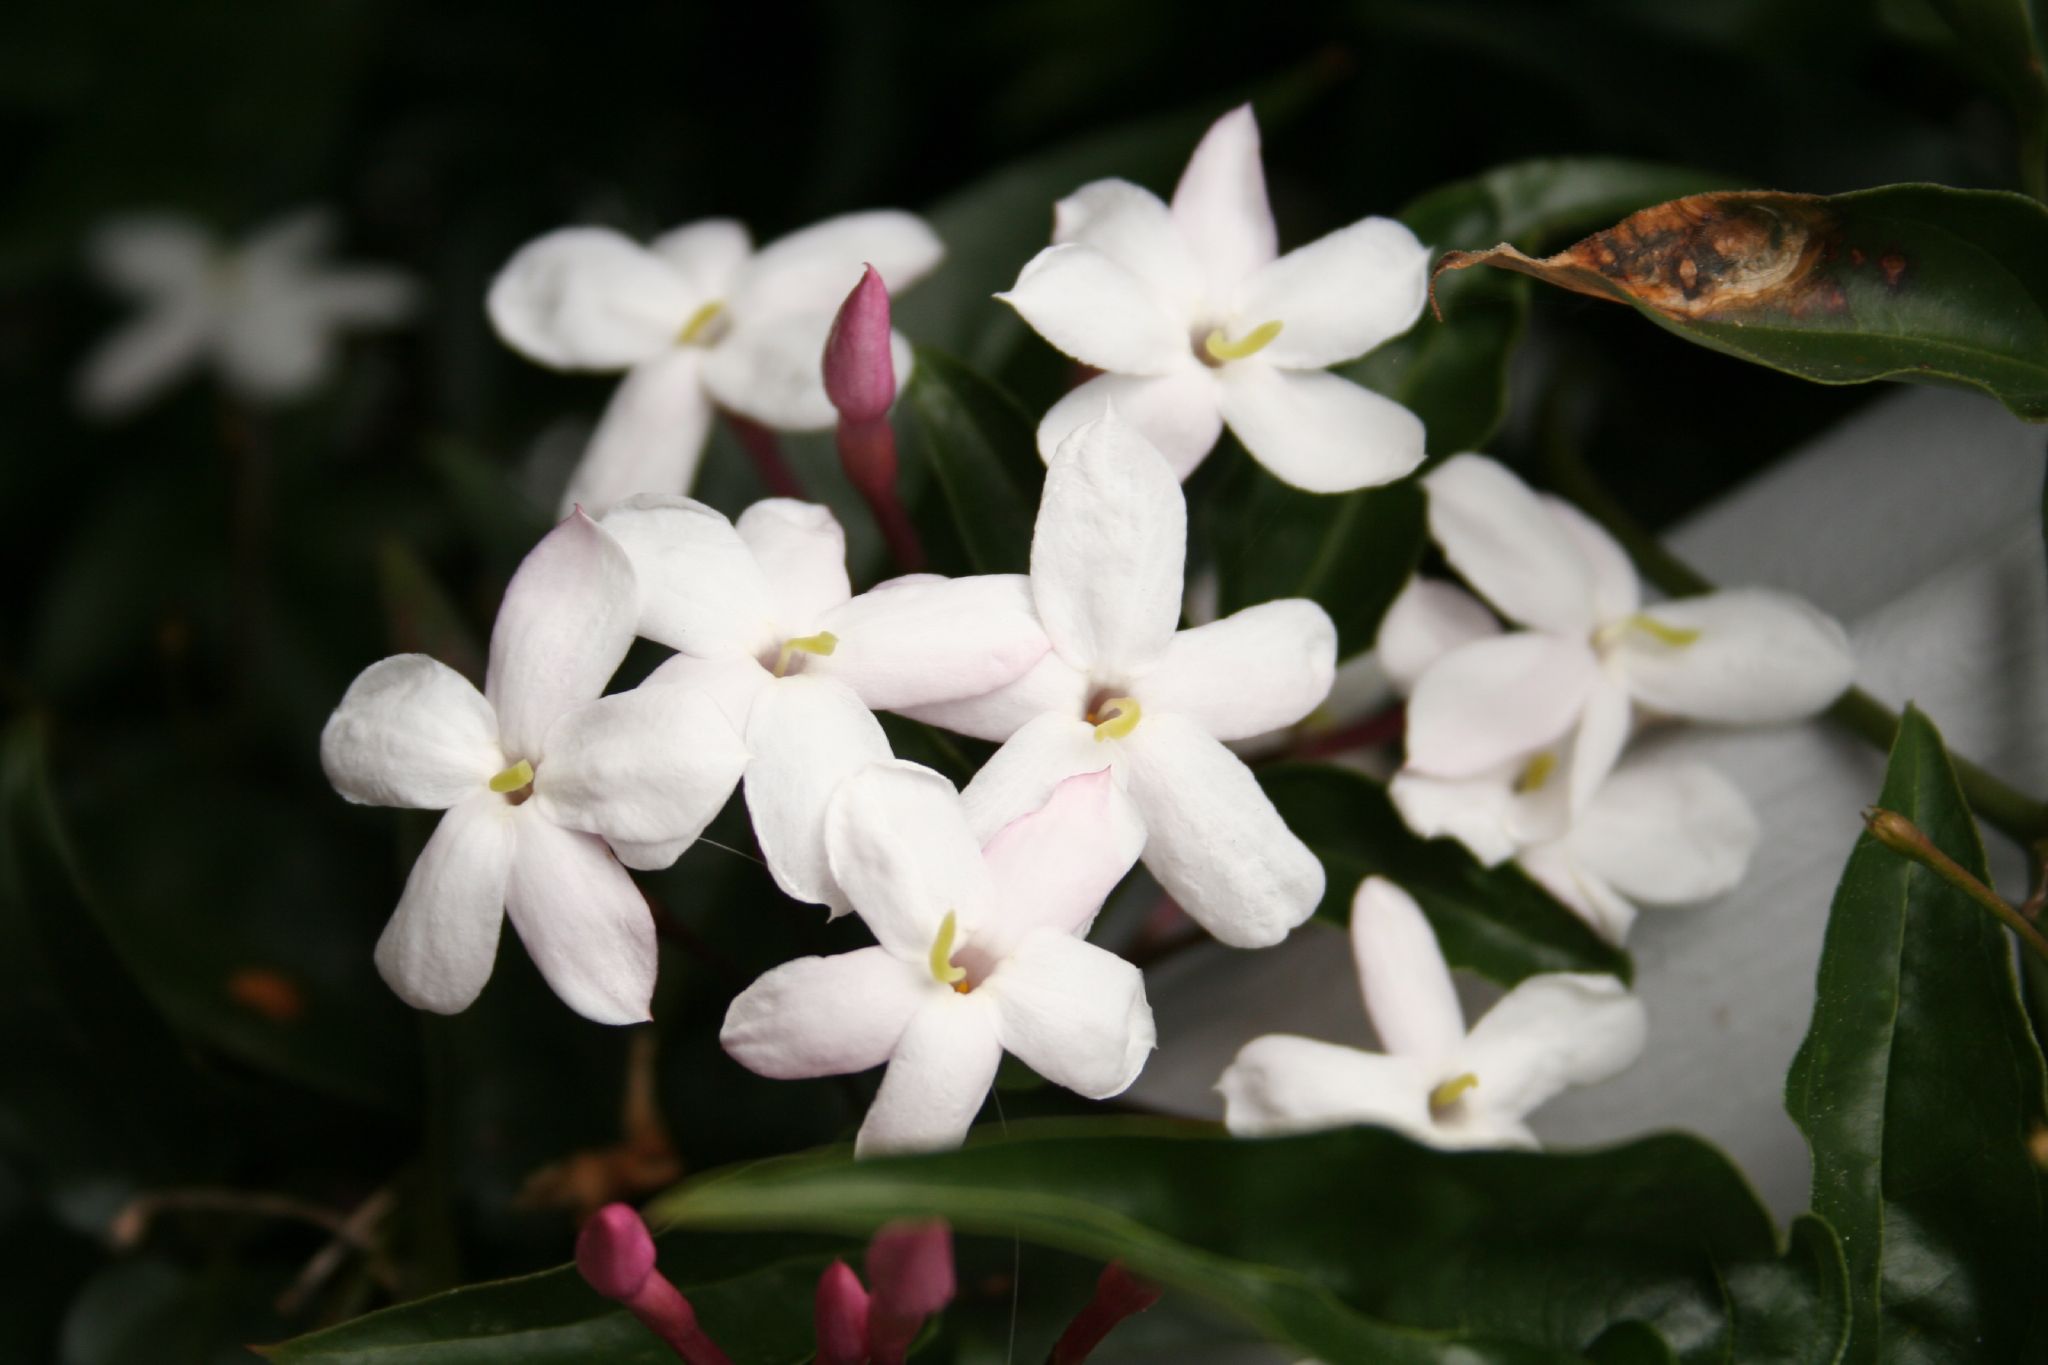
(765, 450)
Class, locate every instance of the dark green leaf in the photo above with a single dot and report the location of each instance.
(2006, 43)
(1631, 1343)
(982, 454)
(1356, 1245)
(1912, 282)
(1917, 1086)
(1493, 921)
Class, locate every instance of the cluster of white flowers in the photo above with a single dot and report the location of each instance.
(1113, 721)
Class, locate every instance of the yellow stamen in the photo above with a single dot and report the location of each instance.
(1251, 343)
(1115, 718)
(1650, 626)
(943, 970)
(824, 642)
(1537, 773)
(1449, 1093)
(520, 774)
(699, 323)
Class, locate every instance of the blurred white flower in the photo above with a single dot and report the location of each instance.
(1122, 686)
(980, 951)
(765, 621)
(266, 314)
(1435, 1081)
(696, 318)
(1198, 321)
(537, 774)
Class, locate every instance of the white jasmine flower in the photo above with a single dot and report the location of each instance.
(1590, 652)
(695, 318)
(1121, 686)
(266, 314)
(980, 951)
(1435, 1082)
(1197, 321)
(537, 774)
(765, 621)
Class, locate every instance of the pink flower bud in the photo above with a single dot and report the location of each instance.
(1118, 1295)
(910, 1266)
(860, 372)
(842, 1316)
(615, 1255)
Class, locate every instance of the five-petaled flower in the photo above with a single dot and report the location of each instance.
(1434, 1081)
(1198, 321)
(538, 774)
(696, 318)
(266, 313)
(979, 951)
(1123, 686)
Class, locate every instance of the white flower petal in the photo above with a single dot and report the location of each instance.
(1099, 313)
(1213, 838)
(898, 845)
(1557, 870)
(1180, 413)
(1282, 1084)
(1494, 700)
(927, 639)
(1220, 203)
(410, 731)
(733, 681)
(1666, 831)
(801, 550)
(1073, 1013)
(700, 586)
(1605, 721)
(1428, 620)
(291, 241)
(823, 1016)
(273, 344)
(564, 626)
(1319, 431)
(1340, 296)
(707, 254)
(1255, 670)
(651, 437)
(938, 1078)
(1617, 590)
(439, 947)
(1134, 228)
(1051, 684)
(1476, 811)
(589, 299)
(144, 358)
(649, 766)
(773, 370)
(1551, 1031)
(1401, 972)
(1509, 546)
(1053, 867)
(151, 255)
(1109, 551)
(813, 269)
(1761, 657)
(1020, 777)
(806, 735)
(583, 921)
(366, 295)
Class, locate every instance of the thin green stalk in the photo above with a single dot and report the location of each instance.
(2004, 807)
(1906, 839)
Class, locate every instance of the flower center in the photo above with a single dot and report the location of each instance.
(1662, 632)
(515, 784)
(1447, 1095)
(823, 643)
(1113, 717)
(1218, 349)
(941, 957)
(706, 327)
(1538, 772)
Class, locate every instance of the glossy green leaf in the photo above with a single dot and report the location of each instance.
(1911, 282)
(1355, 1245)
(1494, 921)
(981, 454)
(1917, 1086)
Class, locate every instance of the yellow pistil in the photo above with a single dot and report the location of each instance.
(699, 323)
(519, 775)
(1115, 718)
(943, 970)
(1537, 773)
(1221, 349)
(1650, 626)
(1449, 1093)
(824, 642)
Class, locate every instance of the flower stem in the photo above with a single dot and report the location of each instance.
(766, 453)
(2020, 816)
(1906, 839)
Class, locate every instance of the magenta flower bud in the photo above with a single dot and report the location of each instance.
(615, 1256)
(860, 371)
(910, 1266)
(1118, 1295)
(842, 1316)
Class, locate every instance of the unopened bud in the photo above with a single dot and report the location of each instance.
(842, 1316)
(615, 1256)
(1899, 834)
(910, 1270)
(1118, 1295)
(860, 370)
